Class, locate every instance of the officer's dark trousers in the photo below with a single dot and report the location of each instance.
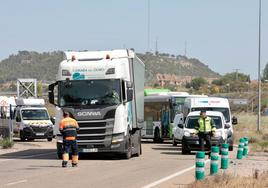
(204, 137)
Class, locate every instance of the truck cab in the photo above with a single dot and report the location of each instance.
(31, 120)
(103, 91)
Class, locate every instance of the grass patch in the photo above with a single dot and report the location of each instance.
(247, 126)
(6, 143)
(229, 181)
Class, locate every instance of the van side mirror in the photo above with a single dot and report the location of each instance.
(53, 120)
(180, 126)
(234, 120)
(227, 126)
(18, 119)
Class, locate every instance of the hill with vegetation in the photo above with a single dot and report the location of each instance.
(44, 66)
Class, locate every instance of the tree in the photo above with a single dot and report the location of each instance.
(265, 73)
(39, 89)
(196, 83)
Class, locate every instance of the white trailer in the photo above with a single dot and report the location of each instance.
(103, 91)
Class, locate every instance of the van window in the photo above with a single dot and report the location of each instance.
(224, 111)
(193, 121)
(34, 115)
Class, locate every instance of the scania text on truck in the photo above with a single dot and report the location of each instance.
(104, 92)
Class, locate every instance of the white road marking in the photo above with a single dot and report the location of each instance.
(16, 182)
(26, 157)
(171, 176)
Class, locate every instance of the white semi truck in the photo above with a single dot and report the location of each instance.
(103, 91)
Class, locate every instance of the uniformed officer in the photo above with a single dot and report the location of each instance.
(205, 128)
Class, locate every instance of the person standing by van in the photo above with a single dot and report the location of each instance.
(68, 128)
(205, 128)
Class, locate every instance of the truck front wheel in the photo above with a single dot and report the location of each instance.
(128, 153)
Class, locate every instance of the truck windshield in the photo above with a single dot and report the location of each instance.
(34, 115)
(193, 121)
(89, 92)
(224, 111)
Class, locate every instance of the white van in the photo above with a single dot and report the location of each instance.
(190, 142)
(212, 104)
(31, 120)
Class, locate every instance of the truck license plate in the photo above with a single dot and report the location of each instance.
(91, 150)
(40, 134)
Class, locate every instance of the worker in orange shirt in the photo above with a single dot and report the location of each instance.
(68, 129)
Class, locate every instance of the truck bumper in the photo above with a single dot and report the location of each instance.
(37, 132)
(192, 143)
(116, 148)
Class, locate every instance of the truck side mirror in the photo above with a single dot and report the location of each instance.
(180, 126)
(129, 94)
(51, 93)
(234, 120)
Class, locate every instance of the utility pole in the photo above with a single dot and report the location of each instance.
(156, 45)
(148, 27)
(185, 48)
(259, 71)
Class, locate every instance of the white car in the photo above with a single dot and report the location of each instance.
(190, 142)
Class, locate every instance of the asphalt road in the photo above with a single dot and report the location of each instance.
(37, 166)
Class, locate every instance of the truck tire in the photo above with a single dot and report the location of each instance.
(139, 149)
(128, 153)
(59, 155)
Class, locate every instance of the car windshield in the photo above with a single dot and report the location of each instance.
(224, 111)
(192, 121)
(34, 115)
(89, 92)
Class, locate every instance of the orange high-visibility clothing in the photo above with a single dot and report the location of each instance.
(69, 128)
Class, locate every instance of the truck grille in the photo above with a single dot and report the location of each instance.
(95, 133)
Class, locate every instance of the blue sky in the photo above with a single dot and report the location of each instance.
(222, 34)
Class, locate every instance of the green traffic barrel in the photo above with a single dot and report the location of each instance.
(245, 150)
(224, 156)
(214, 166)
(200, 165)
(240, 149)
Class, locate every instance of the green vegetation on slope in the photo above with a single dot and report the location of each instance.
(44, 66)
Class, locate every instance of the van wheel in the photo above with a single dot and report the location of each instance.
(22, 138)
(184, 150)
(157, 138)
(49, 139)
(231, 148)
(174, 143)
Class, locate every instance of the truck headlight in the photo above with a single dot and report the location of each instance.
(117, 138)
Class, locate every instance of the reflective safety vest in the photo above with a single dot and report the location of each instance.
(69, 128)
(205, 125)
